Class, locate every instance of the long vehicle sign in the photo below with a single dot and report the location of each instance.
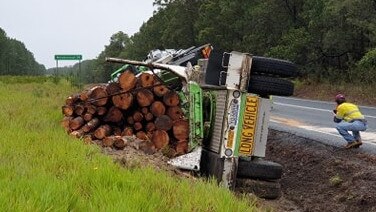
(247, 137)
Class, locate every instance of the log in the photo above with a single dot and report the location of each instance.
(150, 127)
(123, 101)
(160, 90)
(137, 126)
(101, 111)
(127, 80)
(88, 116)
(65, 123)
(149, 117)
(79, 109)
(103, 131)
(108, 141)
(157, 108)
(180, 129)
(128, 131)
(113, 88)
(163, 123)
(175, 113)
(90, 109)
(171, 99)
(84, 96)
(67, 110)
(77, 133)
(181, 147)
(146, 79)
(137, 116)
(71, 100)
(76, 123)
(144, 97)
(116, 131)
(91, 125)
(160, 139)
(120, 143)
(113, 115)
(142, 135)
(98, 95)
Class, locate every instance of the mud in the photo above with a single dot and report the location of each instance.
(319, 177)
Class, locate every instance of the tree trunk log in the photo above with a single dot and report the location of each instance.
(137, 126)
(146, 80)
(137, 116)
(160, 90)
(79, 110)
(163, 123)
(76, 123)
(127, 80)
(67, 110)
(157, 108)
(123, 101)
(88, 116)
(103, 131)
(113, 115)
(150, 127)
(144, 98)
(71, 100)
(113, 88)
(120, 143)
(142, 135)
(181, 147)
(128, 131)
(66, 122)
(149, 117)
(91, 125)
(171, 99)
(101, 111)
(160, 139)
(99, 96)
(175, 113)
(180, 129)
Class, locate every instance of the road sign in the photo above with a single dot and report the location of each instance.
(68, 57)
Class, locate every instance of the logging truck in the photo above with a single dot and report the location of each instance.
(225, 96)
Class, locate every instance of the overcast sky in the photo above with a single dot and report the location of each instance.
(49, 27)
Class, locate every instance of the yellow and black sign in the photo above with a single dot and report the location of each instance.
(249, 126)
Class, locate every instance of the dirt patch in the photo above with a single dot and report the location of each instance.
(318, 177)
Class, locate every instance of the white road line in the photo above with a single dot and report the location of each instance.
(318, 101)
(312, 108)
(366, 136)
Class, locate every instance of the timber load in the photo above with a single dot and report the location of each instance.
(137, 106)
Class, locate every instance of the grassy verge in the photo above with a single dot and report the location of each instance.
(43, 169)
(359, 94)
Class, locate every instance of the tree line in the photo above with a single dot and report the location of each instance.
(330, 40)
(15, 59)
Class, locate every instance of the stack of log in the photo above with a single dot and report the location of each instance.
(139, 106)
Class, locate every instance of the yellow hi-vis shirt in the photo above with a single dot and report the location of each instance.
(348, 112)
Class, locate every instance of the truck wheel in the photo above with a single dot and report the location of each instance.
(262, 189)
(272, 66)
(264, 86)
(259, 169)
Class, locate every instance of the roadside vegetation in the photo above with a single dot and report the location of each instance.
(43, 169)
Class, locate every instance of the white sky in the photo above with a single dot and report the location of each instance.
(49, 27)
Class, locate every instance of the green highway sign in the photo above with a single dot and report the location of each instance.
(68, 57)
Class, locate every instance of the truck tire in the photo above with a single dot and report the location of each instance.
(265, 86)
(259, 169)
(262, 189)
(272, 66)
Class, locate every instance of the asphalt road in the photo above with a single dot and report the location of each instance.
(314, 120)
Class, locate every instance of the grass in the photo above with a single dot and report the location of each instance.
(43, 169)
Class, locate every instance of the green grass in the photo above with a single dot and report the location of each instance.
(43, 169)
